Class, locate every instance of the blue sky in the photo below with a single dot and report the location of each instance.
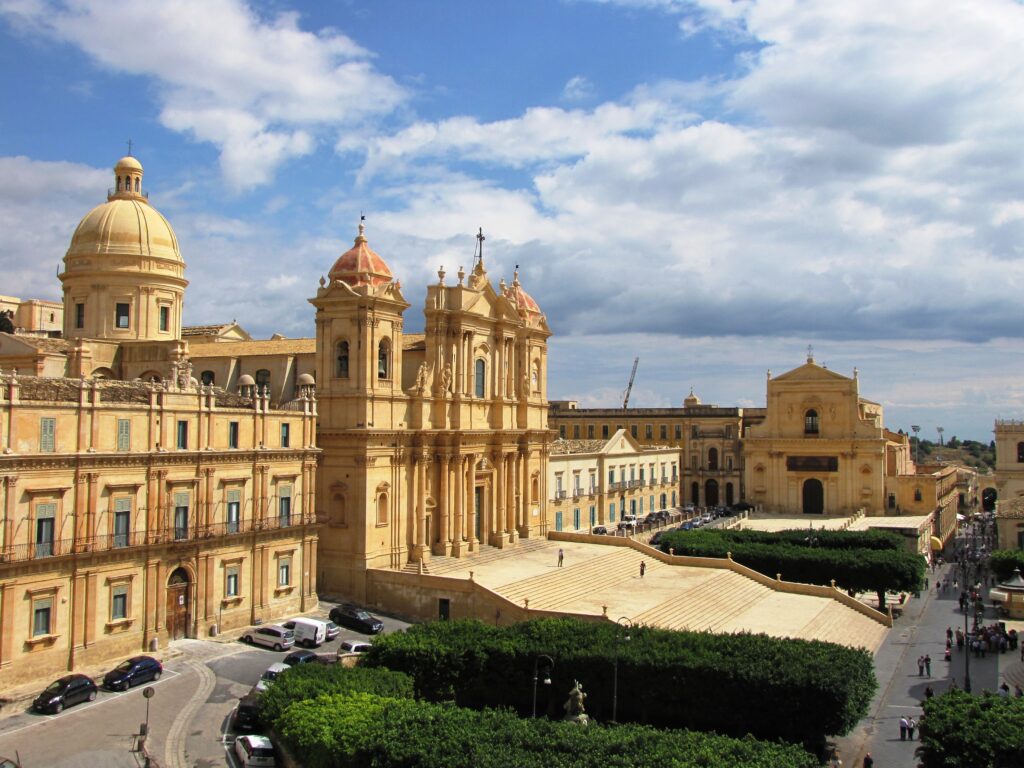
(710, 185)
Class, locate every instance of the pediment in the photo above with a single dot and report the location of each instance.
(811, 372)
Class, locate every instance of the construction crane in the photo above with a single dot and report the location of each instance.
(629, 388)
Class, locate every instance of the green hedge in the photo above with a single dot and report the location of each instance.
(307, 681)
(874, 561)
(795, 690)
(1004, 561)
(963, 731)
(360, 730)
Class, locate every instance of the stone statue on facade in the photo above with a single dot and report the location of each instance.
(421, 378)
(446, 378)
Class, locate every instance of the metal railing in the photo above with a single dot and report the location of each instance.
(13, 553)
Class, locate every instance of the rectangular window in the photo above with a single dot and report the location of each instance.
(118, 603)
(561, 431)
(182, 435)
(604, 431)
(231, 582)
(124, 434)
(611, 477)
(165, 319)
(611, 512)
(47, 434)
(632, 430)
(232, 434)
(122, 521)
(679, 431)
(234, 510)
(590, 431)
(121, 315)
(641, 474)
(180, 516)
(284, 505)
(575, 431)
(286, 435)
(649, 432)
(284, 572)
(45, 514)
(41, 614)
(664, 432)
(79, 315)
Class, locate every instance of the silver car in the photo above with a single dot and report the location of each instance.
(272, 636)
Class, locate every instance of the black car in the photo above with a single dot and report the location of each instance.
(138, 669)
(66, 692)
(247, 716)
(354, 617)
(656, 538)
(300, 657)
(600, 530)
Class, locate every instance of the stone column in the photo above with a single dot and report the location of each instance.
(510, 497)
(458, 545)
(7, 532)
(421, 549)
(498, 537)
(443, 544)
(93, 480)
(524, 492)
(471, 513)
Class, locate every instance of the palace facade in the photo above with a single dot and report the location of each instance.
(139, 505)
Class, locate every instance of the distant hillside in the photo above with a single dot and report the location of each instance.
(971, 453)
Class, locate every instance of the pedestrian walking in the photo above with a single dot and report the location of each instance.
(561, 557)
(643, 568)
(949, 635)
(869, 761)
(928, 692)
(903, 729)
(920, 666)
(928, 665)
(911, 727)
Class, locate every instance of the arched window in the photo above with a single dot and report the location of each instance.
(207, 378)
(262, 380)
(138, 183)
(811, 422)
(341, 363)
(384, 360)
(119, 180)
(712, 458)
(382, 508)
(480, 377)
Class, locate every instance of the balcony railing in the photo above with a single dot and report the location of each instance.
(14, 553)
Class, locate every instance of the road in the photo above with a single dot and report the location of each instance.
(189, 713)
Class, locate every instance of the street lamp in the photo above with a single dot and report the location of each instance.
(547, 667)
(917, 442)
(967, 638)
(623, 623)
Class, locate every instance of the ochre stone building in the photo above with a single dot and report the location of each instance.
(1010, 483)
(139, 505)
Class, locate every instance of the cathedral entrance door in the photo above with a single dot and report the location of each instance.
(478, 505)
(179, 604)
(711, 493)
(814, 497)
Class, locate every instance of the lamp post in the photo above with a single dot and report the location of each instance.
(917, 442)
(547, 667)
(623, 623)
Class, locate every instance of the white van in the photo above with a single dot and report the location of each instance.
(310, 632)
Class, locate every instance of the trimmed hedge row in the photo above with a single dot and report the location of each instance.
(307, 681)
(360, 730)
(1004, 561)
(967, 731)
(877, 561)
(795, 690)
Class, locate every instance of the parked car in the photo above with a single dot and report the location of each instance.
(353, 646)
(656, 538)
(354, 617)
(138, 669)
(333, 630)
(272, 636)
(247, 715)
(687, 526)
(308, 632)
(254, 751)
(600, 530)
(65, 692)
(295, 658)
(267, 678)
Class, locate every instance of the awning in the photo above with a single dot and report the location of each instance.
(936, 543)
(960, 517)
(997, 595)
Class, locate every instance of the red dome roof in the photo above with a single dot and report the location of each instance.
(361, 265)
(524, 302)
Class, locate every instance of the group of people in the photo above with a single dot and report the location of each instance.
(907, 727)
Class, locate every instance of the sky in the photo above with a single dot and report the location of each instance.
(708, 185)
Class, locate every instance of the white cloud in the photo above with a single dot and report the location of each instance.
(577, 88)
(260, 89)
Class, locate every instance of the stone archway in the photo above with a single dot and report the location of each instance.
(179, 604)
(814, 497)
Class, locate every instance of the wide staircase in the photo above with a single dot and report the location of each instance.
(438, 565)
(709, 606)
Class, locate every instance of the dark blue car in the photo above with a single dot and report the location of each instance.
(138, 669)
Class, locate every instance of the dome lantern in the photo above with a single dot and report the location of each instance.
(127, 179)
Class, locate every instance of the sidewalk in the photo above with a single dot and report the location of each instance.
(920, 631)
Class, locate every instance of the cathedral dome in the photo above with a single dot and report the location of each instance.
(528, 308)
(125, 225)
(691, 400)
(361, 265)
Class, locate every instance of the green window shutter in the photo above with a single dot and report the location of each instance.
(234, 495)
(124, 434)
(47, 435)
(123, 504)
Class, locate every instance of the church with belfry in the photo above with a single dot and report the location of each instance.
(434, 443)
